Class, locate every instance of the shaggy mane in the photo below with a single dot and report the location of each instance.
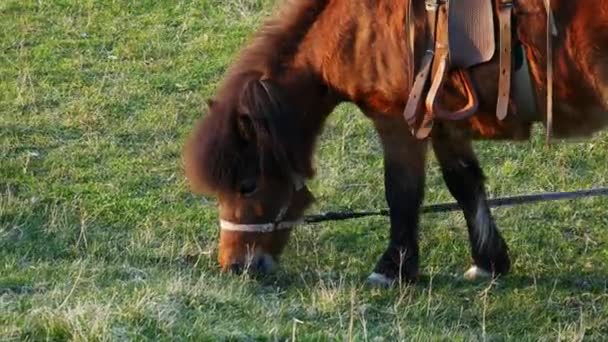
(213, 155)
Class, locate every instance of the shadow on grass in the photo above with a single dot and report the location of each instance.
(35, 142)
(588, 282)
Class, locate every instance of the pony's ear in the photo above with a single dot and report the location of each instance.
(255, 98)
(252, 109)
(245, 127)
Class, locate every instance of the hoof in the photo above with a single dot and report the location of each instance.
(476, 273)
(379, 280)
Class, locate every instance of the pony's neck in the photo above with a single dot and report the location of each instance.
(308, 102)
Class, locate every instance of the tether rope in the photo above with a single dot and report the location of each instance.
(447, 207)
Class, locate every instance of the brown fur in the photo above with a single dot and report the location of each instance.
(316, 54)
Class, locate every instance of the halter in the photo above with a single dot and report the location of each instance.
(278, 223)
(297, 184)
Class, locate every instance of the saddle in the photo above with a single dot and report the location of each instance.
(461, 35)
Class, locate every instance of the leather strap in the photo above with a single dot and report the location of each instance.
(551, 31)
(438, 71)
(436, 62)
(259, 228)
(505, 9)
(469, 109)
(411, 36)
(421, 78)
(417, 89)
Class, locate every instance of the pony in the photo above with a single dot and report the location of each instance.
(253, 150)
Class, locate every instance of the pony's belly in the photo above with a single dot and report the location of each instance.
(571, 122)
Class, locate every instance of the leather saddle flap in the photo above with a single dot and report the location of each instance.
(471, 32)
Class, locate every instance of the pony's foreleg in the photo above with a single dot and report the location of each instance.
(404, 171)
(465, 180)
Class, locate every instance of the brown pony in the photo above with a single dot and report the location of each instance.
(253, 150)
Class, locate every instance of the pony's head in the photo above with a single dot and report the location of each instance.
(251, 154)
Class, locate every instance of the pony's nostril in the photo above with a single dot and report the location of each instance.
(260, 265)
(265, 265)
(236, 268)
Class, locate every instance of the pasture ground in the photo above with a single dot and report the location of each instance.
(100, 238)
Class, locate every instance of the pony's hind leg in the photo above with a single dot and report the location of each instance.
(404, 168)
(465, 180)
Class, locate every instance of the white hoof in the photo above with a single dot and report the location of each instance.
(476, 273)
(377, 279)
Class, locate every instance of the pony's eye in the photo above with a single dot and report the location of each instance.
(248, 187)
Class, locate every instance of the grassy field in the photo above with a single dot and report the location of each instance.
(100, 238)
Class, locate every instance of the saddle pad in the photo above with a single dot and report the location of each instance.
(471, 32)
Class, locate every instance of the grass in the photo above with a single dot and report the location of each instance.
(100, 238)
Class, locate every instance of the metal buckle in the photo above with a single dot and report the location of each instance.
(506, 3)
(431, 5)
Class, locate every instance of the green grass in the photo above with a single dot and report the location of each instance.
(100, 238)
